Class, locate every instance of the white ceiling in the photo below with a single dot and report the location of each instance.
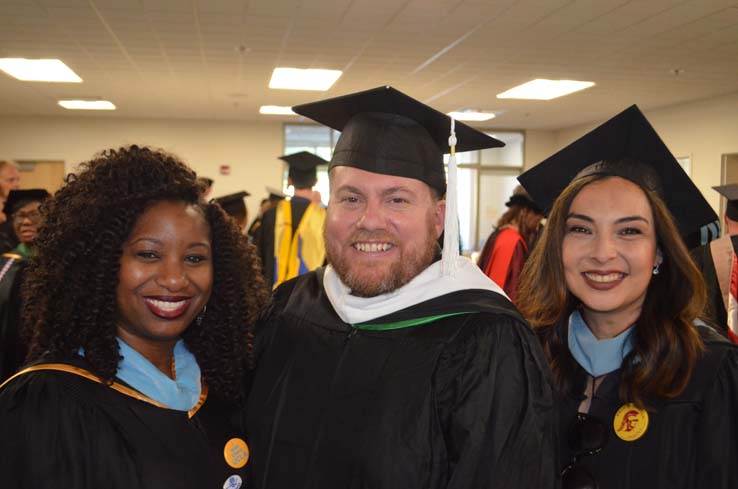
(212, 59)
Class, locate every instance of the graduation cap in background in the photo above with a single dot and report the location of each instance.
(385, 131)
(303, 168)
(627, 146)
(233, 204)
(730, 192)
(206, 181)
(521, 198)
(274, 194)
(18, 198)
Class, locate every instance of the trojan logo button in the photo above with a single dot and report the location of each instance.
(630, 423)
(236, 453)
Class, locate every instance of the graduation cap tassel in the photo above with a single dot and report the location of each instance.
(451, 224)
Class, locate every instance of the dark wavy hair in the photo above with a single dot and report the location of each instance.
(666, 344)
(70, 287)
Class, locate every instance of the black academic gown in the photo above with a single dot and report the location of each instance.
(8, 239)
(13, 347)
(265, 242)
(691, 441)
(60, 430)
(715, 307)
(461, 402)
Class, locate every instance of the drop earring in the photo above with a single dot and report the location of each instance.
(655, 270)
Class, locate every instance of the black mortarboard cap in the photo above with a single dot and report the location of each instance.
(521, 198)
(18, 198)
(206, 181)
(304, 160)
(275, 194)
(385, 131)
(730, 192)
(627, 146)
(303, 167)
(233, 204)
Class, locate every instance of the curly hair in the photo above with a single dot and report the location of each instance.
(70, 288)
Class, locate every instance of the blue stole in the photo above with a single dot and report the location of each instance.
(181, 393)
(597, 357)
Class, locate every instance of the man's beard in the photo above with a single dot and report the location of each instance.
(401, 271)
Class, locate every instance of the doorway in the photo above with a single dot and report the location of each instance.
(41, 174)
(728, 174)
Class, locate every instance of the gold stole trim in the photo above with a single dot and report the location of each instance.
(63, 367)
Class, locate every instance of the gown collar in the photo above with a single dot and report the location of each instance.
(597, 357)
(429, 284)
(181, 393)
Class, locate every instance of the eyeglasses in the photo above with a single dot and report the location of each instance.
(587, 436)
(33, 216)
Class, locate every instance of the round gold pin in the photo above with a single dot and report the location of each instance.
(630, 422)
(236, 453)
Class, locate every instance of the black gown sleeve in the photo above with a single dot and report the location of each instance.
(13, 341)
(717, 437)
(496, 402)
(52, 438)
(715, 307)
(265, 245)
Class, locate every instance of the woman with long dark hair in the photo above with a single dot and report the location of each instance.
(648, 392)
(140, 302)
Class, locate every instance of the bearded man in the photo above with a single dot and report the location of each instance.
(382, 370)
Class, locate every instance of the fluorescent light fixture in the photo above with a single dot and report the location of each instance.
(541, 89)
(299, 79)
(275, 110)
(472, 115)
(87, 104)
(45, 70)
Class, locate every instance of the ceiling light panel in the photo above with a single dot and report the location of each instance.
(87, 104)
(471, 116)
(275, 110)
(42, 70)
(300, 79)
(542, 89)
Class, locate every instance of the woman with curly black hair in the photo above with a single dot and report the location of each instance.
(140, 302)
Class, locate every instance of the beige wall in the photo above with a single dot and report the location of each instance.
(251, 149)
(703, 130)
(539, 145)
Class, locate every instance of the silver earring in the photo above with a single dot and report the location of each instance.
(655, 270)
(201, 315)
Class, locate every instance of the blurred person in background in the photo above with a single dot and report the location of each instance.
(275, 196)
(235, 207)
(719, 266)
(509, 245)
(22, 207)
(9, 180)
(291, 236)
(206, 186)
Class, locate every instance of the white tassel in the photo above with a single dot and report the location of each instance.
(451, 225)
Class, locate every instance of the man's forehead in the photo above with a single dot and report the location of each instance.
(8, 171)
(346, 176)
